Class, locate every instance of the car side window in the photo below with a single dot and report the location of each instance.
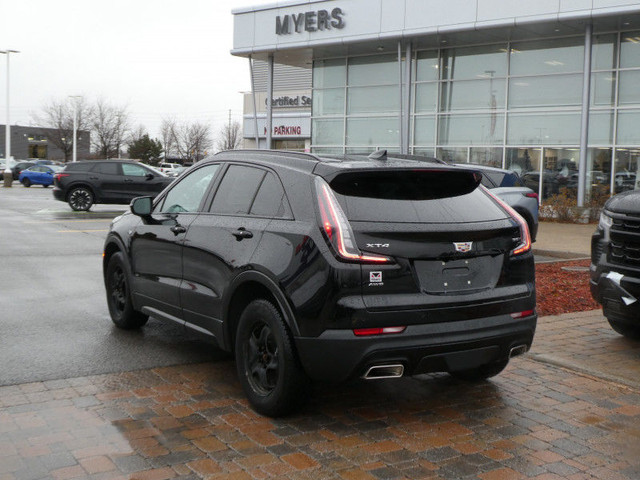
(134, 170)
(271, 200)
(237, 190)
(186, 195)
(107, 168)
(486, 182)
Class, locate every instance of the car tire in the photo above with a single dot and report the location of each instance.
(46, 186)
(625, 329)
(119, 301)
(482, 372)
(80, 199)
(26, 182)
(268, 367)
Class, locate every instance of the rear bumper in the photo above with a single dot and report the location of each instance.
(339, 355)
(58, 194)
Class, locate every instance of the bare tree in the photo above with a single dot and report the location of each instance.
(136, 134)
(193, 140)
(229, 137)
(57, 117)
(168, 136)
(110, 125)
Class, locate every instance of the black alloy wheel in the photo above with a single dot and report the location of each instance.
(268, 368)
(26, 182)
(119, 301)
(80, 199)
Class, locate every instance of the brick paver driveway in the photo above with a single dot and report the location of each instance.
(568, 409)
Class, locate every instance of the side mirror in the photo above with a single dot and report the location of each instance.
(150, 176)
(141, 206)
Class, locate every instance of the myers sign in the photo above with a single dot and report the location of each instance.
(309, 21)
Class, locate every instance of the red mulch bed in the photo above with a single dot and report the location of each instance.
(561, 291)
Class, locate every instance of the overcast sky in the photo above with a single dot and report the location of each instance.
(161, 58)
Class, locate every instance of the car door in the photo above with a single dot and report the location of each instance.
(157, 242)
(106, 180)
(220, 244)
(141, 181)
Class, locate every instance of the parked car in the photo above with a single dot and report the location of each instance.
(509, 188)
(328, 269)
(38, 175)
(170, 169)
(18, 167)
(615, 263)
(82, 184)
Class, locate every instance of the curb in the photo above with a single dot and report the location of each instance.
(561, 255)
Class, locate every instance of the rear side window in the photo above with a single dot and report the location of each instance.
(107, 168)
(79, 167)
(237, 190)
(270, 200)
(424, 196)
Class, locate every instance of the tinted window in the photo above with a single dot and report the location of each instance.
(134, 170)
(79, 167)
(237, 190)
(187, 194)
(414, 197)
(107, 168)
(270, 200)
(486, 181)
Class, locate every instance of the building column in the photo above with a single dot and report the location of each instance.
(269, 101)
(407, 99)
(255, 106)
(401, 94)
(584, 126)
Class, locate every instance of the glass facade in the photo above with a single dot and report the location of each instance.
(517, 105)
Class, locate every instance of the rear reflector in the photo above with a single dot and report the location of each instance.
(363, 332)
(526, 313)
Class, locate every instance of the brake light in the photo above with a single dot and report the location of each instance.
(532, 195)
(525, 238)
(336, 228)
(526, 313)
(365, 332)
(58, 176)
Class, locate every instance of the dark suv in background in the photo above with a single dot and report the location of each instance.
(615, 263)
(328, 269)
(82, 184)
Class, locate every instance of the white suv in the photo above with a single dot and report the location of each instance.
(171, 169)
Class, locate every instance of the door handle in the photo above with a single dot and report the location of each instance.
(128, 180)
(93, 178)
(178, 229)
(242, 233)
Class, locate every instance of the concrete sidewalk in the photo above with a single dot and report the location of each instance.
(565, 240)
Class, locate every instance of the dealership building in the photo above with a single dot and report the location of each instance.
(550, 88)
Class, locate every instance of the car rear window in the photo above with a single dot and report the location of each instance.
(505, 179)
(425, 196)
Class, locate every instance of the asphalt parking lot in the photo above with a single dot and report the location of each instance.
(80, 399)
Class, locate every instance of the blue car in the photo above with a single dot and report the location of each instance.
(38, 175)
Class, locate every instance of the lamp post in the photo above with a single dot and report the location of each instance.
(75, 126)
(8, 174)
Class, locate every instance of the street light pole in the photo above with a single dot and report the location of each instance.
(75, 126)
(8, 174)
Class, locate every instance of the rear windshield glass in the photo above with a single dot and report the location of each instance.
(413, 197)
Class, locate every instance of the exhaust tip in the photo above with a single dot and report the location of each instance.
(519, 350)
(378, 372)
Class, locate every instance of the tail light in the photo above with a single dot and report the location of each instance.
(525, 238)
(336, 228)
(532, 195)
(58, 176)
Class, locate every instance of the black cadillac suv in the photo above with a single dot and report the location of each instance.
(615, 263)
(82, 184)
(312, 268)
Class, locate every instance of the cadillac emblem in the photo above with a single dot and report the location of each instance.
(463, 247)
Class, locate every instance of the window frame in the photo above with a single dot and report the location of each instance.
(161, 198)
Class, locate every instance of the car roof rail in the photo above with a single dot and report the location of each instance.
(274, 153)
